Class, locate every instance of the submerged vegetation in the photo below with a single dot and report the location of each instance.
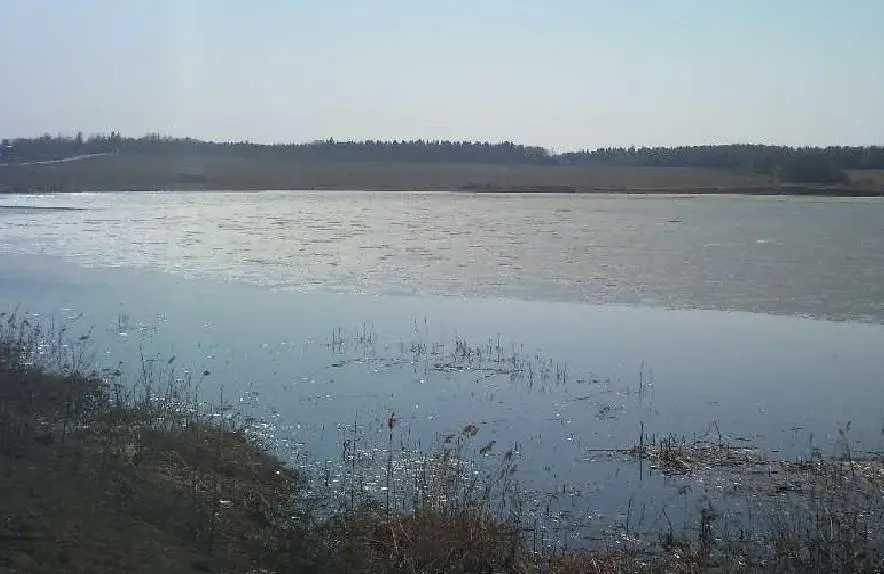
(103, 474)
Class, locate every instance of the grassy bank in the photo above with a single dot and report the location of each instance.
(95, 479)
(103, 474)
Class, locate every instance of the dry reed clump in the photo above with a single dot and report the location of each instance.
(673, 456)
(426, 541)
(620, 562)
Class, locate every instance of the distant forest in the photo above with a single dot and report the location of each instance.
(787, 164)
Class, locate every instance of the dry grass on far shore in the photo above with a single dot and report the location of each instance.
(134, 172)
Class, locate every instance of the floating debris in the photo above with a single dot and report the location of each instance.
(677, 457)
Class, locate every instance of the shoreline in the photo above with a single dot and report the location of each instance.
(846, 193)
(796, 191)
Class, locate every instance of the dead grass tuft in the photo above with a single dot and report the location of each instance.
(431, 541)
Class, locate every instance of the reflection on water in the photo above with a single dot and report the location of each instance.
(806, 256)
(562, 386)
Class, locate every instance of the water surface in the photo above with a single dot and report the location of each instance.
(319, 371)
(560, 326)
(819, 257)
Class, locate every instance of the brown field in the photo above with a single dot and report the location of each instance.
(154, 173)
(867, 177)
(133, 172)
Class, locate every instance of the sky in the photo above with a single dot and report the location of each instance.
(563, 74)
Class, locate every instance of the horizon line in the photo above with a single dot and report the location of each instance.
(315, 141)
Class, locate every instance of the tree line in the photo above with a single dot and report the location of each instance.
(787, 164)
(49, 148)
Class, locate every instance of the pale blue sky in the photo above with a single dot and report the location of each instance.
(564, 74)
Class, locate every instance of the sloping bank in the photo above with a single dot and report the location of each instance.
(95, 478)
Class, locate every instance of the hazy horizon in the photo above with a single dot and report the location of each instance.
(586, 74)
(86, 136)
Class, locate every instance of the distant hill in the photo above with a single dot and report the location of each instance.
(152, 162)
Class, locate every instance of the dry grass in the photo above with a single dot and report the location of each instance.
(92, 483)
(674, 456)
(867, 177)
(818, 515)
(434, 541)
(618, 562)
